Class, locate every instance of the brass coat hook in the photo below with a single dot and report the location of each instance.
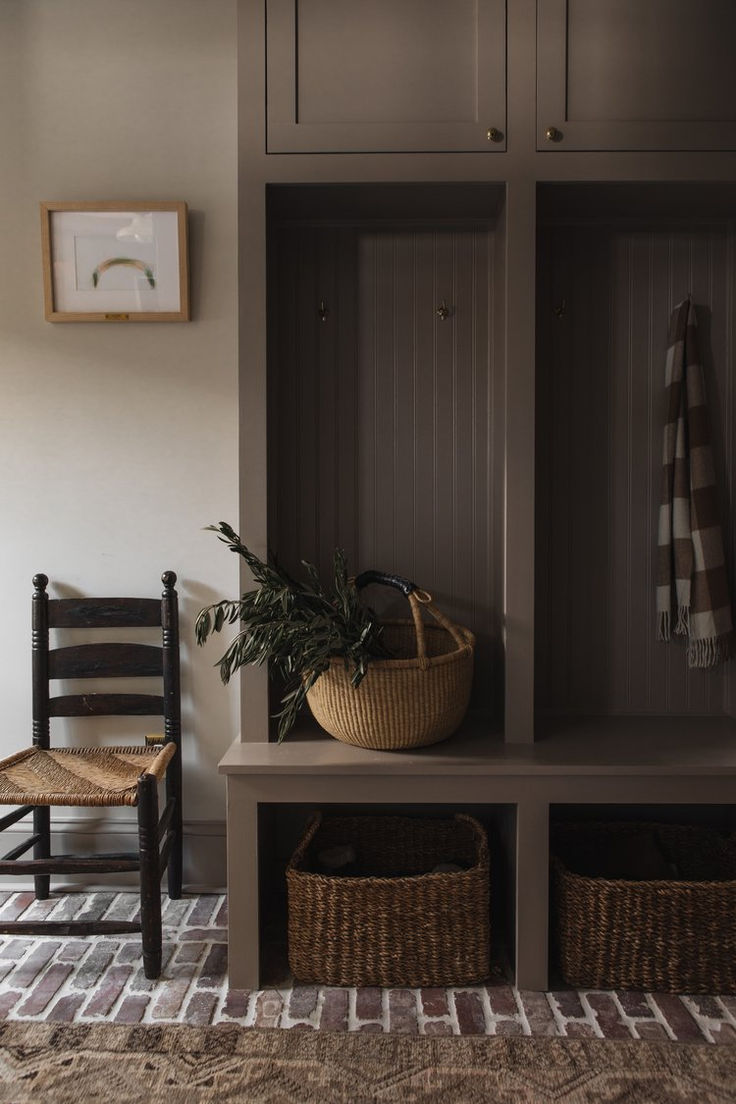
(443, 311)
(323, 311)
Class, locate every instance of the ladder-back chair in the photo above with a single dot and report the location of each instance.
(42, 776)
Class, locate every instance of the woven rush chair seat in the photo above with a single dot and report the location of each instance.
(74, 776)
(65, 685)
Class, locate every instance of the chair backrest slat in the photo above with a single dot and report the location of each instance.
(105, 661)
(98, 613)
(101, 705)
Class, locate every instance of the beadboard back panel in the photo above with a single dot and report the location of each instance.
(605, 294)
(385, 418)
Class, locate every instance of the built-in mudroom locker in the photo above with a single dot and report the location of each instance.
(613, 261)
(385, 403)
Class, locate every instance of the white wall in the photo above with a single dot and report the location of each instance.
(118, 442)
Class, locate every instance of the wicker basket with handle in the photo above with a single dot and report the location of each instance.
(418, 698)
(398, 922)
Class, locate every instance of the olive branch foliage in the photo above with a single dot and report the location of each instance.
(295, 626)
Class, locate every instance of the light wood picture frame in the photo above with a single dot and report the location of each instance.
(115, 262)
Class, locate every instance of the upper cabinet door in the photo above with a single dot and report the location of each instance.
(385, 75)
(636, 74)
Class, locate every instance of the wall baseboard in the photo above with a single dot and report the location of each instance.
(204, 852)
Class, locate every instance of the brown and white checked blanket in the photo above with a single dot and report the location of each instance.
(691, 579)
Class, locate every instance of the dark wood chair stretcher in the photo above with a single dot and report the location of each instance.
(41, 776)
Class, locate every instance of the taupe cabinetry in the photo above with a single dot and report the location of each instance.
(392, 400)
(627, 75)
(391, 75)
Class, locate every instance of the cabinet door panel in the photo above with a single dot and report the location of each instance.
(622, 74)
(387, 75)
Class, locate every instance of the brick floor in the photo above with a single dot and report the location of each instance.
(101, 979)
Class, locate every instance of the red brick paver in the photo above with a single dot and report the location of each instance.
(434, 1001)
(369, 1003)
(682, 1025)
(471, 1015)
(335, 1010)
(131, 1010)
(236, 1004)
(609, 1016)
(402, 1012)
(42, 993)
(268, 1009)
(201, 1008)
(303, 1002)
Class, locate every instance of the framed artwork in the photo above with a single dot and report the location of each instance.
(115, 262)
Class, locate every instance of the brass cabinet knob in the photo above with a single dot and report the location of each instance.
(493, 134)
(553, 134)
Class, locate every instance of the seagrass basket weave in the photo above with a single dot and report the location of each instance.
(419, 697)
(394, 923)
(675, 933)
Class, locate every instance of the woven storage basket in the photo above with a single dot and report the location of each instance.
(418, 698)
(670, 934)
(397, 924)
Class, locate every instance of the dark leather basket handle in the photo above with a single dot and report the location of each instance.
(382, 577)
(417, 599)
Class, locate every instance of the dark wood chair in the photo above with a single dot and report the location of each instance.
(41, 776)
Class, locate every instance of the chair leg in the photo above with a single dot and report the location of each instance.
(42, 849)
(173, 790)
(150, 875)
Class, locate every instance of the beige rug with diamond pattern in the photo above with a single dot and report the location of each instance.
(171, 1064)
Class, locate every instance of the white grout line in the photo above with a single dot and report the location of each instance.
(703, 1022)
(453, 1011)
(628, 1021)
(385, 1015)
(727, 1014)
(590, 1016)
(659, 1016)
(556, 1013)
(353, 1021)
(423, 1019)
(523, 1018)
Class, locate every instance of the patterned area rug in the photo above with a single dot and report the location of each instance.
(81, 1063)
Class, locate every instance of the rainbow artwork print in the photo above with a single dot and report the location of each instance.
(130, 262)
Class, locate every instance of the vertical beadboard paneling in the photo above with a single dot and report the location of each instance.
(343, 372)
(425, 436)
(662, 658)
(381, 419)
(642, 498)
(614, 373)
(424, 289)
(312, 397)
(465, 394)
(404, 398)
(552, 662)
(444, 452)
(601, 413)
(326, 401)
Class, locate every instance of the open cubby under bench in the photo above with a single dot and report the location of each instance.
(619, 761)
